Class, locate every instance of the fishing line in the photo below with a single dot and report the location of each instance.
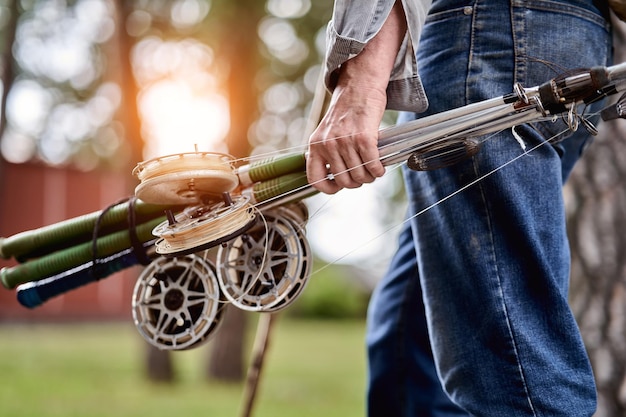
(428, 208)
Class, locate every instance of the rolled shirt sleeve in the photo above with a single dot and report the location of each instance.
(354, 23)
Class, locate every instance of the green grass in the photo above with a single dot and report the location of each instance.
(312, 368)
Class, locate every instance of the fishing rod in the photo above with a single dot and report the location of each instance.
(253, 214)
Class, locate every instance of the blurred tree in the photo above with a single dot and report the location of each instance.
(597, 223)
(596, 198)
(159, 366)
(7, 73)
(237, 52)
(120, 69)
(61, 104)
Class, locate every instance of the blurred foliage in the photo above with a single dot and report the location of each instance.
(60, 104)
(332, 292)
(68, 60)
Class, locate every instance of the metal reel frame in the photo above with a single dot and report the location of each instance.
(266, 268)
(176, 302)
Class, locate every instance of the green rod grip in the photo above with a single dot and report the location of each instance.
(279, 186)
(69, 258)
(44, 240)
(273, 167)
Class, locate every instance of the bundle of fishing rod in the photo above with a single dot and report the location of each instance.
(185, 205)
(210, 230)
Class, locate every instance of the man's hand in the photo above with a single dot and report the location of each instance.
(344, 145)
(343, 151)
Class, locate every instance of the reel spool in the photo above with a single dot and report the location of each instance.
(266, 268)
(185, 179)
(202, 227)
(176, 302)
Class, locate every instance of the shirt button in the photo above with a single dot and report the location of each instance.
(467, 10)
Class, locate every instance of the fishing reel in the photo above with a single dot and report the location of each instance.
(204, 226)
(263, 257)
(176, 302)
(266, 268)
(222, 202)
(185, 179)
(202, 182)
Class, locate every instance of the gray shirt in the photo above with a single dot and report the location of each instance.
(354, 23)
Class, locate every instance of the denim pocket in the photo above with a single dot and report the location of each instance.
(580, 8)
(443, 56)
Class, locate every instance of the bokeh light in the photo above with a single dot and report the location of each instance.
(187, 13)
(178, 102)
(59, 103)
(176, 118)
(281, 39)
(288, 9)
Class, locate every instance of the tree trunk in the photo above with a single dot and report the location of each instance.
(241, 53)
(597, 225)
(128, 113)
(8, 74)
(6, 66)
(596, 198)
(226, 360)
(158, 365)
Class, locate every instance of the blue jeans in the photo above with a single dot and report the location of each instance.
(472, 317)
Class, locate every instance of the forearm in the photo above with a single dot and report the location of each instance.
(345, 142)
(352, 28)
(371, 69)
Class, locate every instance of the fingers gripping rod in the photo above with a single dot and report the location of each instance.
(444, 131)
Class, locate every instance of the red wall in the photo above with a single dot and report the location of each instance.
(34, 195)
